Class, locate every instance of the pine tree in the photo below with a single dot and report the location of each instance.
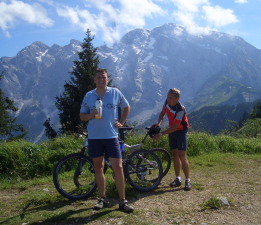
(49, 131)
(8, 127)
(81, 81)
(256, 113)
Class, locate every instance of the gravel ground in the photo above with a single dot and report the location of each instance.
(175, 206)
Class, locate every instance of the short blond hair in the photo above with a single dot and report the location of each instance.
(175, 92)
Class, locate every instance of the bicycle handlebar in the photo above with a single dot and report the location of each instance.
(125, 128)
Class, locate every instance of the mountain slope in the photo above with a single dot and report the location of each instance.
(223, 90)
(145, 64)
(213, 119)
(209, 69)
(34, 78)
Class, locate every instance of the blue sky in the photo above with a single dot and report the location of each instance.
(58, 21)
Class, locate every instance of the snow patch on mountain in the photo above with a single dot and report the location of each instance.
(41, 54)
(151, 43)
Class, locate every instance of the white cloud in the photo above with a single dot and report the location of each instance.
(49, 2)
(14, 11)
(188, 13)
(135, 12)
(199, 16)
(188, 20)
(218, 16)
(241, 1)
(189, 5)
(7, 34)
(112, 18)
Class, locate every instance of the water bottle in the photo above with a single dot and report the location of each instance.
(98, 106)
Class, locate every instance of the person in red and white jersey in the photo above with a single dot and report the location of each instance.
(178, 135)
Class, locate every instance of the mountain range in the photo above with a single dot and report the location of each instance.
(209, 69)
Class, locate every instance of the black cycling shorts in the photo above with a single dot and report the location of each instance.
(178, 140)
(110, 148)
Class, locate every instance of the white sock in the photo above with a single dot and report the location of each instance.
(179, 178)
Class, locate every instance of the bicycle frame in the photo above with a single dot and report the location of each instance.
(122, 147)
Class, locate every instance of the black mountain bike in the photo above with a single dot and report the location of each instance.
(74, 176)
(162, 153)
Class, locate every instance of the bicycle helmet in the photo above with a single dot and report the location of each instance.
(153, 131)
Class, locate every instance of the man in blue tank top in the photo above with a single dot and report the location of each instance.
(103, 135)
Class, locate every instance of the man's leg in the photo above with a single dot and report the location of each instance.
(177, 168)
(184, 161)
(99, 175)
(120, 184)
(177, 162)
(119, 176)
(185, 168)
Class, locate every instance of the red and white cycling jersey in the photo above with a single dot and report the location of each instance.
(177, 115)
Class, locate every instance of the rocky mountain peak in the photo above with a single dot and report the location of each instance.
(135, 36)
(33, 49)
(170, 29)
(211, 69)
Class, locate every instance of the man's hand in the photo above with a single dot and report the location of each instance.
(157, 137)
(118, 124)
(94, 112)
(86, 117)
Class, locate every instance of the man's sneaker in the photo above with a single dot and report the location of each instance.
(188, 185)
(124, 205)
(175, 183)
(102, 203)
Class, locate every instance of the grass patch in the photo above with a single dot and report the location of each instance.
(212, 203)
(198, 186)
(21, 159)
(217, 203)
(19, 183)
(39, 198)
(219, 162)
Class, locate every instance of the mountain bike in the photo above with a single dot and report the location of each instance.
(74, 176)
(162, 153)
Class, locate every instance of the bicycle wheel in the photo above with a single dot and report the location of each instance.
(74, 177)
(143, 170)
(165, 158)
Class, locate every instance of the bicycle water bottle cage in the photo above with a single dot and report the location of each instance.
(153, 131)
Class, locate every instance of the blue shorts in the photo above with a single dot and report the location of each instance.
(178, 140)
(110, 148)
